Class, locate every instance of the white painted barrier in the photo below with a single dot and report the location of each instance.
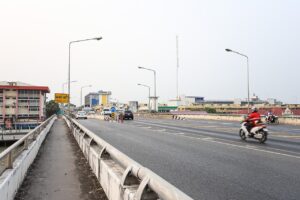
(121, 177)
(11, 179)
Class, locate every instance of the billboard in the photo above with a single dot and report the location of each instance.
(61, 98)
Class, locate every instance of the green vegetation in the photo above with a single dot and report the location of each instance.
(210, 110)
(51, 108)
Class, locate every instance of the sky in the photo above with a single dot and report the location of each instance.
(34, 39)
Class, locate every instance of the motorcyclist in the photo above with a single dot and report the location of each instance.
(252, 119)
(269, 116)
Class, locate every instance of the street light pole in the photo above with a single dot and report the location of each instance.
(69, 67)
(149, 108)
(155, 98)
(63, 85)
(248, 87)
(81, 92)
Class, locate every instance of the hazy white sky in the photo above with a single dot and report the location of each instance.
(34, 37)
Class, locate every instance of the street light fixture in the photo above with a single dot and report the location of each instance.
(69, 68)
(155, 98)
(248, 90)
(63, 85)
(85, 86)
(149, 108)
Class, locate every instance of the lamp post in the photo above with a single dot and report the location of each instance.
(154, 84)
(85, 86)
(248, 90)
(63, 85)
(69, 68)
(149, 108)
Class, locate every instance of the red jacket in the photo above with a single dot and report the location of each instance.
(253, 117)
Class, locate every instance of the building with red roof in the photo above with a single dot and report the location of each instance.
(21, 103)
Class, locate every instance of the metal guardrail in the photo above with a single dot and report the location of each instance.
(8, 156)
(134, 173)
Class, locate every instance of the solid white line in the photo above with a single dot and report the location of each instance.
(252, 148)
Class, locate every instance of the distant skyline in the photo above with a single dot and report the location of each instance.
(34, 41)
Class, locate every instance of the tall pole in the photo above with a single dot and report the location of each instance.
(248, 84)
(248, 81)
(149, 94)
(69, 76)
(69, 68)
(81, 92)
(155, 97)
(177, 68)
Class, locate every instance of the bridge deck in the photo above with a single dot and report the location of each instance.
(60, 170)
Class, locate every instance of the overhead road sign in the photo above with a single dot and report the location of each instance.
(61, 98)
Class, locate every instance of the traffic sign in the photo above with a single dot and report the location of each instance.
(113, 109)
(61, 98)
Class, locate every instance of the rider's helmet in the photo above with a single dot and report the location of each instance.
(254, 109)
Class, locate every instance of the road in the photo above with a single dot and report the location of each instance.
(207, 160)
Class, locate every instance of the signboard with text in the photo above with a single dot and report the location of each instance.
(61, 98)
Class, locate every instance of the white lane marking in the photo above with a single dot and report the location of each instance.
(147, 127)
(235, 145)
(246, 147)
(161, 130)
(226, 123)
(180, 133)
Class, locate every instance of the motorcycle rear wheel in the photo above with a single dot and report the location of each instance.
(242, 134)
(264, 137)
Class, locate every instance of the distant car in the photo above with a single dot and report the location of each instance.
(81, 115)
(106, 111)
(91, 112)
(128, 115)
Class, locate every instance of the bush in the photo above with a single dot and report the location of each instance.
(51, 108)
(210, 110)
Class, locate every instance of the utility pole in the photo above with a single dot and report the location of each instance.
(177, 68)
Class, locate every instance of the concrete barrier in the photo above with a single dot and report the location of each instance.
(214, 117)
(121, 177)
(95, 116)
(282, 120)
(11, 179)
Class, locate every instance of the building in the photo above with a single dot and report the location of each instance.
(133, 106)
(101, 98)
(91, 99)
(104, 97)
(22, 103)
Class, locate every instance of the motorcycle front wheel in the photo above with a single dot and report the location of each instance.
(242, 134)
(264, 136)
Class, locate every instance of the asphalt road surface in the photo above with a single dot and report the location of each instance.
(207, 159)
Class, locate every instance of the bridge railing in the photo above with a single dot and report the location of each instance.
(134, 175)
(8, 156)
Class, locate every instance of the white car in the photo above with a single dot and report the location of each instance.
(81, 115)
(106, 111)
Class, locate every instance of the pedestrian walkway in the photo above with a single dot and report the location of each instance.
(60, 171)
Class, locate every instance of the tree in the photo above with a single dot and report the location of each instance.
(51, 108)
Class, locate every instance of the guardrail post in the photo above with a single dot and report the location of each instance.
(9, 162)
(128, 179)
(144, 192)
(26, 143)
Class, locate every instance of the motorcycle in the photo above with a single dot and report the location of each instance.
(272, 119)
(258, 132)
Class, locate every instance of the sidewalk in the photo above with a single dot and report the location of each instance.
(60, 171)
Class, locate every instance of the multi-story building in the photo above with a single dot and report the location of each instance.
(21, 102)
(101, 98)
(91, 99)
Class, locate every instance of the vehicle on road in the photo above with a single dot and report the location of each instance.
(106, 111)
(81, 115)
(258, 132)
(128, 115)
(272, 119)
